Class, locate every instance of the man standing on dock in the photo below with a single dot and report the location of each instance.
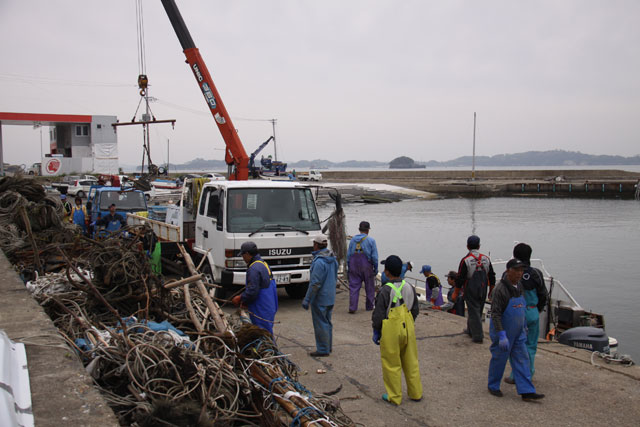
(321, 294)
(508, 332)
(362, 261)
(475, 275)
(536, 295)
(393, 330)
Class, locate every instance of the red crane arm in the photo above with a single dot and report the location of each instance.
(235, 154)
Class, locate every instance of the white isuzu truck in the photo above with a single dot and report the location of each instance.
(216, 217)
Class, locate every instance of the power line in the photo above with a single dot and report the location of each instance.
(47, 80)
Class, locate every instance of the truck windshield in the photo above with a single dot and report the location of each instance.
(250, 209)
(124, 200)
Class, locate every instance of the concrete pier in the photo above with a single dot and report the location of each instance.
(453, 372)
(62, 394)
(454, 376)
(534, 183)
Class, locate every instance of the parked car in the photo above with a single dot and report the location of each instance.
(80, 188)
(48, 189)
(214, 176)
(35, 169)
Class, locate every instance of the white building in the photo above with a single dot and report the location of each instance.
(77, 143)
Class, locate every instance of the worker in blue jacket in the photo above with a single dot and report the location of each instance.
(321, 294)
(362, 261)
(536, 295)
(260, 294)
(112, 221)
(508, 332)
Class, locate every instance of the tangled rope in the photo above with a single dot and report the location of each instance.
(114, 312)
(151, 377)
(623, 359)
(24, 199)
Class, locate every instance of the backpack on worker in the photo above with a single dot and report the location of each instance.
(476, 286)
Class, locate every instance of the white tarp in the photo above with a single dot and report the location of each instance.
(105, 158)
(15, 392)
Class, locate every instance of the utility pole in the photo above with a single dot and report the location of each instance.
(473, 162)
(1, 156)
(40, 149)
(275, 147)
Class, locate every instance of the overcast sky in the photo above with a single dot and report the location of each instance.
(368, 80)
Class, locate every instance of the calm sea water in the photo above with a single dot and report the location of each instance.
(629, 168)
(591, 246)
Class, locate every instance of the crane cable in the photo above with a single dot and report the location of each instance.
(142, 61)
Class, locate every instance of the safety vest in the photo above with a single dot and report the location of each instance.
(265, 264)
(397, 299)
(359, 245)
(67, 208)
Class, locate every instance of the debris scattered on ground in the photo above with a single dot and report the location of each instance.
(159, 356)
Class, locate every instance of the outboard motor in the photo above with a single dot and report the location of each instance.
(586, 337)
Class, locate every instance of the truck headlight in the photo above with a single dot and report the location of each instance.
(235, 263)
(306, 260)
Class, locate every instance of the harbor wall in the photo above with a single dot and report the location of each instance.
(548, 183)
(62, 393)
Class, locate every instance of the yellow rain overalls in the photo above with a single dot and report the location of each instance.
(398, 349)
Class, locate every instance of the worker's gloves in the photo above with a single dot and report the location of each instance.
(504, 341)
(376, 336)
(237, 300)
(305, 304)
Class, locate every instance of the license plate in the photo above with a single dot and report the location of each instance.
(282, 279)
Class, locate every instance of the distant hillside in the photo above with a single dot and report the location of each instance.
(541, 158)
(530, 158)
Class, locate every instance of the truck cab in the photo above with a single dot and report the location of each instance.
(126, 201)
(280, 217)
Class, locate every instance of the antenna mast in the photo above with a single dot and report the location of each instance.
(473, 162)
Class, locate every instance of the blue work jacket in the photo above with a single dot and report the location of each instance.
(368, 247)
(322, 282)
(257, 278)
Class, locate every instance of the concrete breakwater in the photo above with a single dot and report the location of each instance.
(547, 183)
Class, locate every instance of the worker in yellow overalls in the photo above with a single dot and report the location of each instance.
(393, 330)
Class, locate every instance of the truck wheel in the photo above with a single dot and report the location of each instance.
(297, 291)
(208, 276)
(80, 194)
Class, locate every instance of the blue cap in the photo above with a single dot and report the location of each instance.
(473, 240)
(426, 269)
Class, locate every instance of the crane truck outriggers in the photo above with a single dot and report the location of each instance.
(216, 217)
